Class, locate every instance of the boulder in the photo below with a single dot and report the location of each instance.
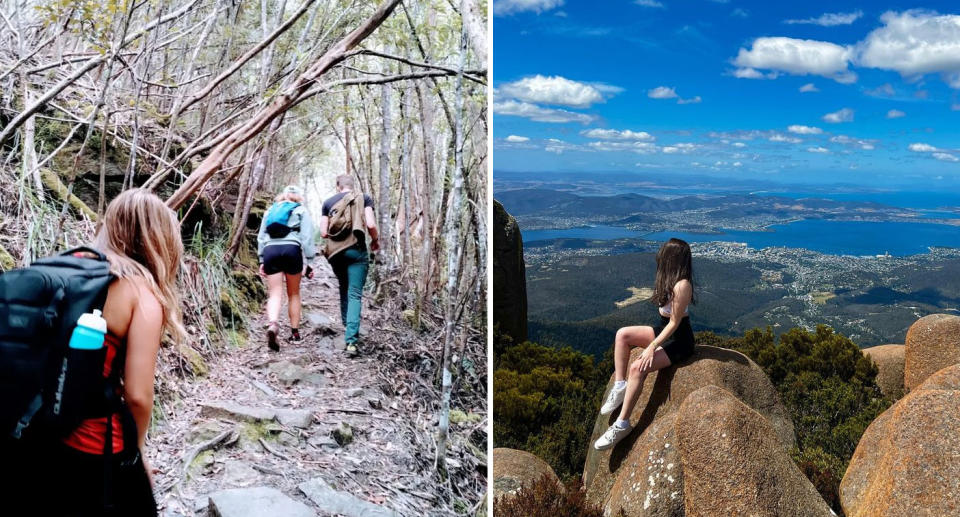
(513, 469)
(933, 343)
(662, 394)
(735, 463)
(236, 412)
(890, 360)
(908, 461)
(509, 276)
(301, 418)
(255, 502)
(334, 502)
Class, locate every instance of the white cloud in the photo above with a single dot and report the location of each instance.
(795, 56)
(751, 73)
(517, 139)
(738, 144)
(662, 92)
(804, 130)
(946, 157)
(821, 150)
(636, 147)
(865, 144)
(740, 13)
(922, 148)
(539, 113)
(884, 90)
(830, 19)
(809, 87)
(508, 7)
(737, 164)
(613, 134)
(955, 107)
(559, 146)
(895, 114)
(554, 90)
(649, 3)
(842, 115)
(693, 100)
(683, 148)
(777, 137)
(915, 42)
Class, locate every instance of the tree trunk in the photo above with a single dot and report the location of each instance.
(453, 246)
(383, 204)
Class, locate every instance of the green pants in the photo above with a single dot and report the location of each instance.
(350, 266)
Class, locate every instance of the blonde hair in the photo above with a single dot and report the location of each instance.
(140, 236)
(289, 196)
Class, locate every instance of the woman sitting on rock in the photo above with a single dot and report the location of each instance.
(669, 343)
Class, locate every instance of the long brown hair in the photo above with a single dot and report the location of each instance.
(674, 263)
(141, 237)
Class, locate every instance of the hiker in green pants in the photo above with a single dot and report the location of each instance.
(346, 220)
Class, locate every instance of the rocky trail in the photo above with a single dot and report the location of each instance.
(308, 431)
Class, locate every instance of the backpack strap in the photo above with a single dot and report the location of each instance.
(85, 249)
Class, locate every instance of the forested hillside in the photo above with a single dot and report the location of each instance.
(216, 105)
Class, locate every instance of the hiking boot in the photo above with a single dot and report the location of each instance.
(611, 437)
(272, 342)
(614, 400)
(352, 350)
(295, 336)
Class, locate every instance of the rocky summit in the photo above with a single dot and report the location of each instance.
(509, 275)
(889, 360)
(933, 342)
(908, 461)
(513, 469)
(648, 458)
(735, 464)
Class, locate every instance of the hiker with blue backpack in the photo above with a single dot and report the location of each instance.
(79, 338)
(346, 221)
(285, 247)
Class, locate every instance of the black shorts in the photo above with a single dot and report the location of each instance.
(282, 258)
(679, 346)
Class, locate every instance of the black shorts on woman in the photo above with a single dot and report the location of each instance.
(282, 258)
(679, 346)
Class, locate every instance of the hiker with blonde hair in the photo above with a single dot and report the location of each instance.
(117, 300)
(285, 247)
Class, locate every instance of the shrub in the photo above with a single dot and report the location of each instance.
(545, 498)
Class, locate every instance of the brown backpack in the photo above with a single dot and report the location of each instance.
(345, 223)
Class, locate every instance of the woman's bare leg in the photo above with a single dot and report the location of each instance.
(274, 296)
(293, 300)
(636, 378)
(627, 338)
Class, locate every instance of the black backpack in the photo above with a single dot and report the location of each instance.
(46, 387)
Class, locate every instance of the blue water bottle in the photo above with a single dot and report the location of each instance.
(80, 384)
(90, 332)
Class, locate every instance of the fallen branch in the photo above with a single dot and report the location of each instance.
(52, 182)
(210, 444)
(335, 55)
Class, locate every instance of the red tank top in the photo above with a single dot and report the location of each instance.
(90, 436)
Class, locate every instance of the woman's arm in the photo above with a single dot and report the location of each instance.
(143, 343)
(682, 292)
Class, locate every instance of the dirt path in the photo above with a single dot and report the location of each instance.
(363, 427)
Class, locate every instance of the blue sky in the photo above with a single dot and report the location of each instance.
(840, 91)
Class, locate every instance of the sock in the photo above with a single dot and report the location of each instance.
(619, 385)
(623, 424)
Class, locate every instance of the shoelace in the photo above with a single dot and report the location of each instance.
(611, 433)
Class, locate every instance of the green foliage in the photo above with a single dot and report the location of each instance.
(542, 397)
(830, 389)
(545, 498)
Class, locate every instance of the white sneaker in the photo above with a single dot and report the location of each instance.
(610, 438)
(614, 400)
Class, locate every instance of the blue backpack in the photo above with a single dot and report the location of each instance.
(278, 219)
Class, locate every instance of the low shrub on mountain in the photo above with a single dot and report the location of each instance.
(545, 498)
(542, 398)
(830, 389)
